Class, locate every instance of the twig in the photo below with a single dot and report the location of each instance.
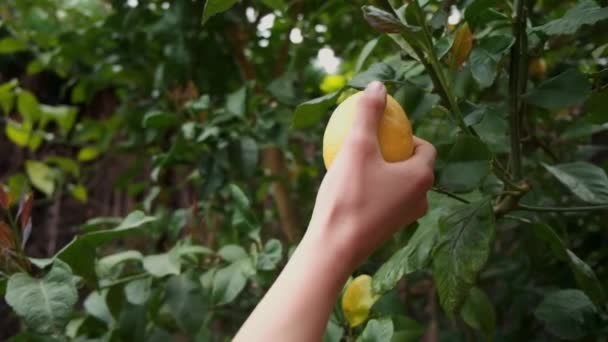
(561, 209)
(450, 194)
(517, 218)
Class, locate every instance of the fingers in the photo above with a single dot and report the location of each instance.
(424, 152)
(370, 109)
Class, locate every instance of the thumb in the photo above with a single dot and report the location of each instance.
(370, 108)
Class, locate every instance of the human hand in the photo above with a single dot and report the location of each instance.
(363, 199)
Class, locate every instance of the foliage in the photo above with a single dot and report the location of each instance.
(220, 116)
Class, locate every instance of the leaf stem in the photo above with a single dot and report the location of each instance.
(126, 280)
(450, 194)
(561, 209)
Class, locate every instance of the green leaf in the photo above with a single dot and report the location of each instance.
(236, 103)
(381, 20)
(481, 12)
(377, 330)
(229, 281)
(467, 163)
(88, 153)
(365, 52)
(28, 106)
(185, 299)
(239, 197)
(67, 165)
(80, 252)
(586, 12)
(45, 305)
(567, 89)
(376, 72)
(42, 177)
(79, 192)
(283, 89)
(213, 7)
(232, 253)
(466, 234)
(478, 312)
(105, 264)
(587, 181)
(11, 45)
(274, 4)
(584, 275)
(138, 291)
(162, 265)
(159, 120)
(271, 255)
(309, 113)
(416, 255)
(7, 96)
(96, 305)
(64, 116)
(333, 332)
(483, 67)
(407, 330)
(568, 314)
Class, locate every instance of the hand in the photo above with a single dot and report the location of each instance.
(363, 199)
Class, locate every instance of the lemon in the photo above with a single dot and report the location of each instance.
(358, 299)
(394, 132)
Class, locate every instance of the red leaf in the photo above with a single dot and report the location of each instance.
(6, 240)
(26, 211)
(5, 200)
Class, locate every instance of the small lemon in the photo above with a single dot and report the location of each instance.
(358, 299)
(394, 133)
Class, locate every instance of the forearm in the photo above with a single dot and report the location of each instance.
(298, 305)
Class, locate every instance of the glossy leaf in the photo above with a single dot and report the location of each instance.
(587, 181)
(478, 312)
(42, 177)
(213, 7)
(467, 163)
(381, 20)
(377, 330)
(311, 112)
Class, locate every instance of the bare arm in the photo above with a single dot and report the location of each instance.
(359, 206)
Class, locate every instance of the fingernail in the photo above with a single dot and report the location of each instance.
(376, 88)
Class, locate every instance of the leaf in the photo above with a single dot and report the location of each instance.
(79, 192)
(568, 314)
(162, 265)
(478, 312)
(41, 176)
(232, 253)
(159, 120)
(64, 116)
(213, 7)
(466, 234)
(377, 330)
(467, 163)
(96, 305)
(229, 281)
(358, 299)
(283, 89)
(10, 45)
(483, 67)
(587, 181)
(6, 237)
(138, 291)
(46, 304)
(407, 329)
(333, 332)
(365, 52)
(586, 12)
(236, 103)
(80, 252)
(239, 197)
(67, 165)
(309, 113)
(463, 43)
(381, 20)
(184, 298)
(567, 89)
(376, 72)
(88, 153)
(25, 209)
(275, 4)
(106, 263)
(271, 255)
(584, 275)
(28, 106)
(481, 12)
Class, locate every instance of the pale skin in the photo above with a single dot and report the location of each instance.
(358, 207)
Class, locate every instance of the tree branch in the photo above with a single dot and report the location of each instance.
(561, 209)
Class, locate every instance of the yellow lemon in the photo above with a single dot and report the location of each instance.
(394, 132)
(358, 299)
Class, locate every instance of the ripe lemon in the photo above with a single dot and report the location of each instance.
(358, 299)
(394, 133)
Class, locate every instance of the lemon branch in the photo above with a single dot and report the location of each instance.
(561, 209)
